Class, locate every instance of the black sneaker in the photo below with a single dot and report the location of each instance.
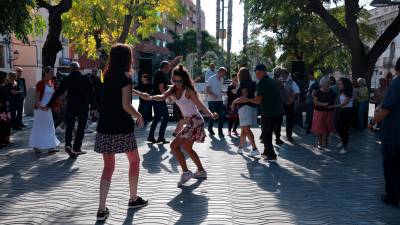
(162, 141)
(264, 155)
(79, 152)
(211, 131)
(151, 140)
(70, 152)
(290, 138)
(139, 203)
(390, 201)
(221, 134)
(279, 141)
(102, 215)
(271, 159)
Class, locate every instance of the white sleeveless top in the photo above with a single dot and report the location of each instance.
(187, 107)
(342, 98)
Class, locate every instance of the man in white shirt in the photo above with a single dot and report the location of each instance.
(210, 72)
(292, 92)
(215, 104)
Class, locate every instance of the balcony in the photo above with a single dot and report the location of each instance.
(388, 62)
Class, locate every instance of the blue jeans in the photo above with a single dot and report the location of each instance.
(160, 114)
(217, 107)
(361, 115)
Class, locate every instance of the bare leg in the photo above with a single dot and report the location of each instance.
(109, 165)
(175, 148)
(250, 136)
(188, 146)
(134, 164)
(243, 134)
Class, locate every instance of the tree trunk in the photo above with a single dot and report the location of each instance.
(245, 25)
(53, 44)
(128, 21)
(218, 20)
(198, 35)
(229, 33)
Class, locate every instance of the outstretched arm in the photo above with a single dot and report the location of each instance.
(193, 96)
(163, 96)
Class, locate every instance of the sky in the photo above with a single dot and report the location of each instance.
(209, 8)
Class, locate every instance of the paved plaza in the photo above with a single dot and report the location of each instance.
(307, 186)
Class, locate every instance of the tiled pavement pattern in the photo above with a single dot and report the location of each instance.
(306, 187)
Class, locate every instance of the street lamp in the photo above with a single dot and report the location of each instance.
(384, 3)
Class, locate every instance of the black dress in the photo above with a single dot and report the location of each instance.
(115, 129)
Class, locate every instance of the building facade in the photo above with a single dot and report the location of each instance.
(381, 18)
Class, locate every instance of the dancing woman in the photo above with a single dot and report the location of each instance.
(115, 130)
(185, 96)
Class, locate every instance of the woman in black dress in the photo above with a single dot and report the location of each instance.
(115, 130)
(5, 111)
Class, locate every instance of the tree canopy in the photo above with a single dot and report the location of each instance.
(184, 43)
(93, 26)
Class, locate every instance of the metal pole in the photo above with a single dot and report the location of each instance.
(223, 27)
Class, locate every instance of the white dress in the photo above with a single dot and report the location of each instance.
(43, 134)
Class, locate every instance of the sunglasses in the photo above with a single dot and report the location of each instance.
(178, 81)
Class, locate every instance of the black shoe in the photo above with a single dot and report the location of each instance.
(79, 152)
(151, 140)
(290, 138)
(390, 201)
(7, 143)
(162, 141)
(221, 134)
(210, 130)
(70, 152)
(17, 128)
(271, 159)
(279, 141)
(22, 125)
(102, 215)
(139, 203)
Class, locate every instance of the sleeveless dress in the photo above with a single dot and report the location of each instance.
(43, 134)
(194, 126)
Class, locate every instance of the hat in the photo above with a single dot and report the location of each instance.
(222, 68)
(74, 65)
(260, 67)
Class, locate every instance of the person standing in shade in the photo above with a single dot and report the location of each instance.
(21, 96)
(247, 111)
(160, 85)
(345, 113)
(15, 94)
(312, 86)
(323, 118)
(362, 99)
(389, 115)
(115, 130)
(80, 98)
(269, 99)
(292, 92)
(5, 111)
(215, 104)
(233, 117)
(210, 72)
(43, 133)
(278, 125)
(145, 106)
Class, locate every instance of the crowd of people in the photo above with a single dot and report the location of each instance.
(331, 106)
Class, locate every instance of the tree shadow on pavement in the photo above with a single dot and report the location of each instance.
(153, 159)
(192, 207)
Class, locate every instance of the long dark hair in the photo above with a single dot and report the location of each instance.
(347, 87)
(187, 82)
(119, 61)
(244, 75)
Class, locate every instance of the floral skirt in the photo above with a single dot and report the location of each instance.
(323, 122)
(194, 129)
(115, 143)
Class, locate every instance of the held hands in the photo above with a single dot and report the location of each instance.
(215, 116)
(146, 97)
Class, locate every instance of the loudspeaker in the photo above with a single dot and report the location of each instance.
(299, 67)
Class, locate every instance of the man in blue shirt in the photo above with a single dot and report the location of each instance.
(389, 114)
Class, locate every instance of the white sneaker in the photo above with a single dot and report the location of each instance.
(255, 152)
(240, 150)
(343, 151)
(200, 174)
(339, 145)
(185, 177)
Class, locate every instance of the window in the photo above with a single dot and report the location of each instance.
(392, 50)
(165, 44)
(164, 30)
(2, 57)
(158, 28)
(158, 42)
